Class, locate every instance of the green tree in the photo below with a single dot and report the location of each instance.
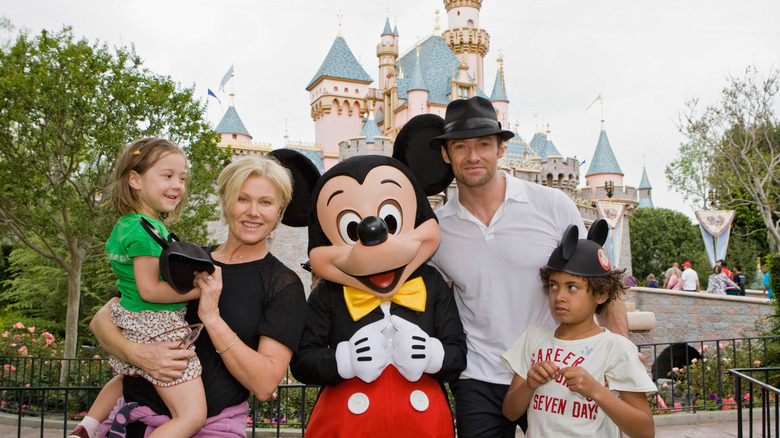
(740, 137)
(660, 237)
(69, 106)
(5, 30)
(689, 173)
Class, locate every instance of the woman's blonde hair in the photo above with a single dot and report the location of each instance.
(236, 173)
(140, 156)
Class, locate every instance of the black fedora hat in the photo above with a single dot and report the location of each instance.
(470, 118)
(583, 257)
(179, 261)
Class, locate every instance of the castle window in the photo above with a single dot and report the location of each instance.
(463, 93)
(470, 23)
(235, 136)
(356, 91)
(335, 88)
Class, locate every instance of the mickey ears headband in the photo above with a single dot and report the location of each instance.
(584, 257)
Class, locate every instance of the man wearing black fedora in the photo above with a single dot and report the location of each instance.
(497, 231)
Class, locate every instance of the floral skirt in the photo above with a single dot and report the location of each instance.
(147, 327)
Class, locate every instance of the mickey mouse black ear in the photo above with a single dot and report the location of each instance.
(599, 231)
(304, 175)
(412, 147)
(569, 242)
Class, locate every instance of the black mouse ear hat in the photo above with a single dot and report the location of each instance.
(412, 147)
(179, 261)
(304, 177)
(583, 257)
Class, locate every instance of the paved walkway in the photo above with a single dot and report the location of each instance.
(713, 424)
(704, 430)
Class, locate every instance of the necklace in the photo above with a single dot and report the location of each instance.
(574, 337)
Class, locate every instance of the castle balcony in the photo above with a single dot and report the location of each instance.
(466, 40)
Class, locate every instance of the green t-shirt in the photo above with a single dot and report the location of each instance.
(129, 239)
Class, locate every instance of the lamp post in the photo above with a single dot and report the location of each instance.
(713, 197)
(609, 186)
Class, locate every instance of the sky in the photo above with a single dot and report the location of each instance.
(645, 59)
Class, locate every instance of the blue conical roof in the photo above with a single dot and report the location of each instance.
(341, 63)
(499, 94)
(231, 123)
(645, 183)
(388, 30)
(543, 146)
(646, 203)
(418, 82)
(516, 147)
(437, 63)
(370, 130)
(604, 160)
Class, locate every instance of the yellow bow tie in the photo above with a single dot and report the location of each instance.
(360, 303)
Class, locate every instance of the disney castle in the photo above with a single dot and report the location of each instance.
(355, 114)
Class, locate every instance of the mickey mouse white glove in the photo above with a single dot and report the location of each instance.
(414, 351)
(364, 355)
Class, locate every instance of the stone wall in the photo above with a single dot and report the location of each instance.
(686, 316)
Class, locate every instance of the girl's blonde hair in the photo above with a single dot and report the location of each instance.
(140, 156)
(236, 173)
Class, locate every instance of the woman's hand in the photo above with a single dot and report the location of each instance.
(210, 291)
(164, 361)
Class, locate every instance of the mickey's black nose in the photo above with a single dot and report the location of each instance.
(372, 231)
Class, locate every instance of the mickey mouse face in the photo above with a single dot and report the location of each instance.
(374, 243)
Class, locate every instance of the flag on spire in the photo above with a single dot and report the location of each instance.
(211, 93)
(226, 78)
(594, 101)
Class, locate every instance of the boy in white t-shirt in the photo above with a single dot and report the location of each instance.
(565, 375)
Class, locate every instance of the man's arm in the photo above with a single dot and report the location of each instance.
(162, 360)
(614, 317)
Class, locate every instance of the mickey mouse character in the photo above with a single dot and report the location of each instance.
(382, 330)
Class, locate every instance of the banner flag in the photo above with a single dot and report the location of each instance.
(612, 212)
(715, 226)
(226, 78)
(211, 93)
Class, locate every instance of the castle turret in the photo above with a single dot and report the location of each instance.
(370, 141)
(387, 52)
(469, 43)
(418, 91)
(644, 191)
(499, 98)
(231, 128)
(604, 166)
(337, 96)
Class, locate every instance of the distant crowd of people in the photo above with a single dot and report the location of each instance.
(722, 280)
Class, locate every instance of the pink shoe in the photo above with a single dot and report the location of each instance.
(79, 432)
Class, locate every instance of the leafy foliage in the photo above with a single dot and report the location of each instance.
(660, 237)
(69, 106)
(738, 142)
(689, 173)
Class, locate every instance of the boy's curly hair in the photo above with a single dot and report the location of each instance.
(611, 284)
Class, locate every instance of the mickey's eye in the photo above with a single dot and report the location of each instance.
(390, 212)
(348, 225)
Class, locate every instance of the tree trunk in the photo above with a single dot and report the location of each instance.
(72, 315)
